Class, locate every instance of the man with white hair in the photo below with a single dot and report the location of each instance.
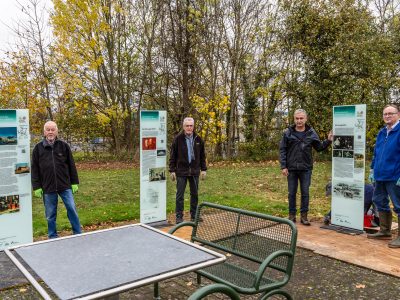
(186, 163)
(297, 161)
(54, 174)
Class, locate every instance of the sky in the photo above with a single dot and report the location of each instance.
(10, 15)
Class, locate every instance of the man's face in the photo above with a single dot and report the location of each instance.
(50, 131)
(300, 120)
(188, 127)
(390, 115)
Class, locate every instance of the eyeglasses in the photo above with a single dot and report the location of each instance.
(389, 114)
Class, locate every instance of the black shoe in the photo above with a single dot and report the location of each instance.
(179, 220)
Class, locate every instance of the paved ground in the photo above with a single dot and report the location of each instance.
(314, 277)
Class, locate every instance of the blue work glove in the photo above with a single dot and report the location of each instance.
(398, 182)
(74, 188)
(38, 193)
(371, 177)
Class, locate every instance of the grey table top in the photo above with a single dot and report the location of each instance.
(131, 255)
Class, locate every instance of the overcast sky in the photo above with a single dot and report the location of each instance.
(10, 15)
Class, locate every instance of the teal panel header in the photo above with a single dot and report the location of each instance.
(8, 115)
(149, 114)
(346, 111)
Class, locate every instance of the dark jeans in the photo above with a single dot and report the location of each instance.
(305, 180)
(384, 190)
(180, 192)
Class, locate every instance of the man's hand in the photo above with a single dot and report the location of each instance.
(38, 193)
(371, 177)
(203, 175)
(285, 172)
(173, 176)
(330, 136)
(74, 188)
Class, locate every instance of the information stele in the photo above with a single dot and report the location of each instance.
(348, 166)
(153, 172)
(15, 183)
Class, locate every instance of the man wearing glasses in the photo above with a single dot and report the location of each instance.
(385, 172)
(186, 163)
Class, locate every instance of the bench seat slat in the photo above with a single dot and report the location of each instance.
(239, 278)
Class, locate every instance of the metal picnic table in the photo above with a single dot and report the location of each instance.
(103, 263)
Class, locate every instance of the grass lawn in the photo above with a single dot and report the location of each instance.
(109, 194)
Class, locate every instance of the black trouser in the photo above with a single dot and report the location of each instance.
(180, 192)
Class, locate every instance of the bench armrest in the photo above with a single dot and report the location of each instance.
(180, 225)
(267, 262)
(214, 288)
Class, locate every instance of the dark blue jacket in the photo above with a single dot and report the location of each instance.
(179, 161)
(386, 159)
(296, 154)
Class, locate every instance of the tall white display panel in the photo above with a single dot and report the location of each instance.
(348, 166)
(153, 172)
(15, 179)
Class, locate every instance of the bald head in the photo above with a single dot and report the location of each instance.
(50, 131)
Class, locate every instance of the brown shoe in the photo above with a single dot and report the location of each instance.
(304, 219)
(292, 217)
(385, 222)
(380, 235)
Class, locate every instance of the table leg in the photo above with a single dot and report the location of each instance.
(156, 292)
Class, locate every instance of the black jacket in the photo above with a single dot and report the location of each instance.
(178, 160)
(296, 154)
(53, 167)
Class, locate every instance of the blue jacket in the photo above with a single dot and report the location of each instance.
(386, 159)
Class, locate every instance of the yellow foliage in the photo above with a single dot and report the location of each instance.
(211, 112)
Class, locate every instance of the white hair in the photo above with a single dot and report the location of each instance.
(50, 123)
(188, 119)
(300, 111)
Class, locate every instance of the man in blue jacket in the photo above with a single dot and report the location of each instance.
(385, 172)
(54, 174)
(297, 161)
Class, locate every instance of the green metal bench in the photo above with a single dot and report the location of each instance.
(212, 289)
(260, 249)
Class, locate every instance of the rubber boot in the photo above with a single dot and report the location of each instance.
(292, 217)
(304, 219)
(385, 222)
(396, 242)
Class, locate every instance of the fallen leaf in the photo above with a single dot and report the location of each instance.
(360, 286)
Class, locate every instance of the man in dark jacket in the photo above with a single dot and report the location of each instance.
(54, 173)
(385, 172)
(186, 163)
(297, 161)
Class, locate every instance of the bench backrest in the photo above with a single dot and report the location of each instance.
(250, 235)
